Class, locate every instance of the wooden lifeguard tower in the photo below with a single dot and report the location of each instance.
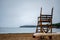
(44, 29)
(47, 20)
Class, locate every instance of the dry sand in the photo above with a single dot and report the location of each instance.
(23, 36)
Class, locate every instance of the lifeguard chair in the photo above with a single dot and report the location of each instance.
(47, 19)
(43, 30)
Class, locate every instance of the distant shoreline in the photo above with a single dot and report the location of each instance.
(30, 26)
(55, 25)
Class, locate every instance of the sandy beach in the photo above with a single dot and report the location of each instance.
(23, 36)
(18, 36)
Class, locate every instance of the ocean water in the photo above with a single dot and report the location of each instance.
(22, 30)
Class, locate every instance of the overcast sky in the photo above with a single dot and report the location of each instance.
(14, 13)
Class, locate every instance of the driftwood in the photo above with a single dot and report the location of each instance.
(35, 35)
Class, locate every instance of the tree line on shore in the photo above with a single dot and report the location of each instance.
(55, 25)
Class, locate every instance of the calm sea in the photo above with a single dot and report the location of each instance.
(22, 30)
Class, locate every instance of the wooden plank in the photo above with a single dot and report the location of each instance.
(44, 25)
(46, 15)
(45, 21)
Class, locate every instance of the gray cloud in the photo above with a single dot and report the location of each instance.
(14, 13)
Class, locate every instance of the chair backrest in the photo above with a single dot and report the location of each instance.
(51, 11)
